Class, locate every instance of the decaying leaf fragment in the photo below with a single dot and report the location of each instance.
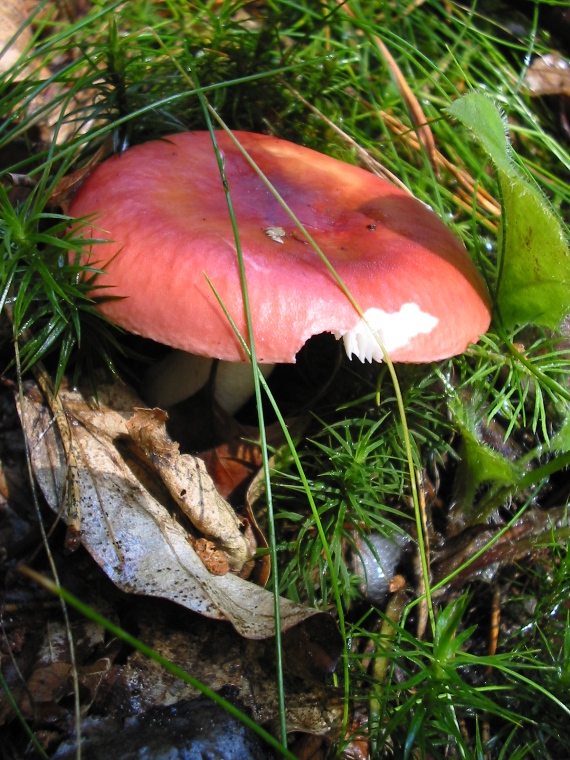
(548, 75)
(188, 482)
(127, 521)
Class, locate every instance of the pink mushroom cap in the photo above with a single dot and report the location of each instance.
(162, 207)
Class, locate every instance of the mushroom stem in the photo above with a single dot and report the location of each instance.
(234, 384)
(177, 377)
(181, 375)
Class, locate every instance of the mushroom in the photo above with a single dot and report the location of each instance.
(162, 207)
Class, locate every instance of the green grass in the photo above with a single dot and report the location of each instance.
(488, 430)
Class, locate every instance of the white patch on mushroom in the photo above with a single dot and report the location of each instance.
(276, 233)
(393, 330)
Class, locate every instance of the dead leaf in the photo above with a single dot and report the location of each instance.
(232, 464)
(216, 656)
(215, 560)
(15, 36)
(548, 75)
(189, 484)
(127, 525)
(67, 185)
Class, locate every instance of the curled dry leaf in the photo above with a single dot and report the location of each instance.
(188, 482)
(126, 522)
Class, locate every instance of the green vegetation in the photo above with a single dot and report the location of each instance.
(484, 445)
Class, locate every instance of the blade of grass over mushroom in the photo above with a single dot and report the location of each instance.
(533, 281)
(263, 440)
(342, 286)
(176, 670)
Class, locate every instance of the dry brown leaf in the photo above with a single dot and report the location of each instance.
(68, 184)
(125, 523)
(548, 75)
(15, 37)
(189, 484)
(214, 559)
(231, 464)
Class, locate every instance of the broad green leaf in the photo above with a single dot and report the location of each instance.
(534, 260)
(483, 463)
(479, 462)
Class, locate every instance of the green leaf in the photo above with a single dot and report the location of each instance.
(447, 640)
(560, 442)
(534, 261)
(479, 463)
(484, 463)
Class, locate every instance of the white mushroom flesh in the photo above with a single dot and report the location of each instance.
(391, 331)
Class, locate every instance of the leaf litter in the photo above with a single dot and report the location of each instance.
(187, 480)
(132, 479)
(121, 686)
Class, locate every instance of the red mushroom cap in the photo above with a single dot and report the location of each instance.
(163, 207)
